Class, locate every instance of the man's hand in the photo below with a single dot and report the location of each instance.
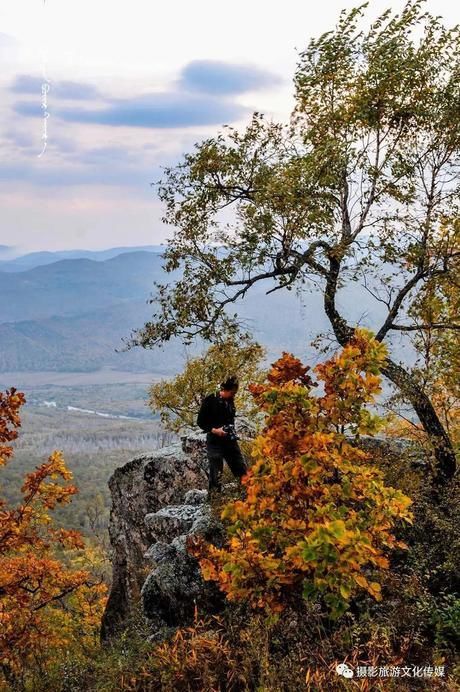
(219, 431)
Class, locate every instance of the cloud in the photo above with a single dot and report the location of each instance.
(56, 175)
(28, 108)
(26, 84)
(64, 145)
(203, 95)
(75, 90)
(112, 165)
(22, 140)
(29, 84)
(166, 110)
(215, 77)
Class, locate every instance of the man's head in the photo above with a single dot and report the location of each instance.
(229, 387)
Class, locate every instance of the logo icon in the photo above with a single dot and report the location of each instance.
(343, 669)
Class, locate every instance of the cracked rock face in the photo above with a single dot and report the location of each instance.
(171, 521)
(175, 585)
(141, 487)
(159, 499)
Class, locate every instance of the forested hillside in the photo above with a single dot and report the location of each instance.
(71, 286)
(72, 315)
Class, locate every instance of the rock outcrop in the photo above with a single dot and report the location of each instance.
(175, 585)
(158, 500)
(142, 487)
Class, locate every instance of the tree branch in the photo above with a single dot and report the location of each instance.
(415, 327)
(397, 304)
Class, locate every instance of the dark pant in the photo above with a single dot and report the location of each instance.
(219, 449)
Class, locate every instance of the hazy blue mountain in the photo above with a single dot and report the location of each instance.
(71, 315)
(69, 287)
(37, 259)
(7, 252)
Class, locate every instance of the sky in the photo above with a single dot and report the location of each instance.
(132, 86)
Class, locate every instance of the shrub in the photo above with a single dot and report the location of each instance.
(317, 520)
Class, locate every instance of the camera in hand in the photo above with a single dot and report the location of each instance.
(231, 432)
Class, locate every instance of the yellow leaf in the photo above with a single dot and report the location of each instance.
(361, 581)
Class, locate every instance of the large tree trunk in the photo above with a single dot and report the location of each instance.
(444, 453)
(442, 447)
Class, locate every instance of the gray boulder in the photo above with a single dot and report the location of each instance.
(175, 586)
(195, 496)
(143, 486)
(171, 521)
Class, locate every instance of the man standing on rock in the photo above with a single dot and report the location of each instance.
(217, 418)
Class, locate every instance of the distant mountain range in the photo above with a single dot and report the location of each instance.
(7, 252)
(37, 259)
(72, 314)
(74, 286)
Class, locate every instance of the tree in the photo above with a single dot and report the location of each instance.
(45, 599)
(317, 519)
(362, 183)
(179, 399)
(438, 362)
(439, 304)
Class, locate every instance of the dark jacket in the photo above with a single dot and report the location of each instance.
(215, 412)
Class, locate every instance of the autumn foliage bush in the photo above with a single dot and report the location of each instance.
(49, 602)
(318, 519)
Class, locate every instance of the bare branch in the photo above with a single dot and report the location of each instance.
(398, 301)
(416, 327)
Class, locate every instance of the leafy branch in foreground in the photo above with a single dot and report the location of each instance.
(47, 596)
